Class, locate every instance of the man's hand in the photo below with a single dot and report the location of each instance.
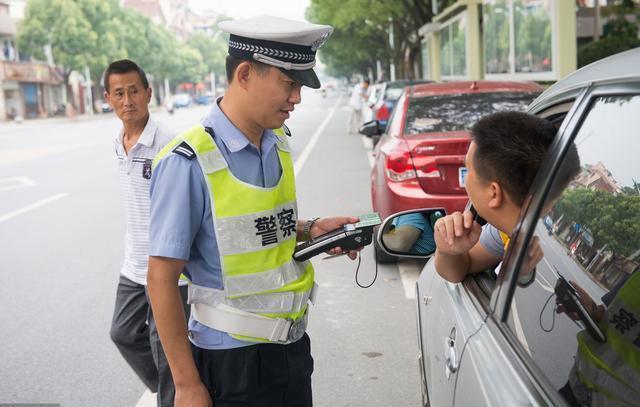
(456, 233)
(325, 225)
(195, 395)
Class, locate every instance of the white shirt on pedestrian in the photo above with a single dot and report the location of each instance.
(357, 96)
(135, 178)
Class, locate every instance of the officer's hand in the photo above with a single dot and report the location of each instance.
(456, 233)
(325, 225)
(195, 395)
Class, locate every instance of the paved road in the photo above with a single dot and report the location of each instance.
(61, 234)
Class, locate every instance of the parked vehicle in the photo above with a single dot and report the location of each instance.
(181, 100)
(388, 97)
(204, 98)
(489, 341)
(419, 161)
(104, 107)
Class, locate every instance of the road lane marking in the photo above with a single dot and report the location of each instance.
(147, 399)
(8, 184)
(518, 325)
(33, 206)
(302, 158)
(368, 146)
(409, 274)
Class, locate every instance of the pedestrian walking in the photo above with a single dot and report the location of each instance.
(133, 329)
(224, 213)
(356, 102)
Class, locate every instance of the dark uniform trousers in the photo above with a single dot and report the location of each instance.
(134, 332)
(263, 375)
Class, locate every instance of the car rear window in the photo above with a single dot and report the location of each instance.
(395, 89)
(459, 112)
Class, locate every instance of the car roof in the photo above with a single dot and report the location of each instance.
(446, 88)
(617, 67)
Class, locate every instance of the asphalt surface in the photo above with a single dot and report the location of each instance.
(61, 247)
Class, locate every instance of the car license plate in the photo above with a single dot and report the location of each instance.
(462, 175)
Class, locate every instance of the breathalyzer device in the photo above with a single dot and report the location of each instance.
(348, 237)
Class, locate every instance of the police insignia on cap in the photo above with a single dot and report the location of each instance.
(319, 42)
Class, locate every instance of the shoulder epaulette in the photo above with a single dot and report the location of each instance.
(286, 130)
(185, 150)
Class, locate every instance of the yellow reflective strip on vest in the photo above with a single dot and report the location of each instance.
(505, 239)
(166, 150)
(251, 199)
(263, 281)
(257, 231)
(614, 366)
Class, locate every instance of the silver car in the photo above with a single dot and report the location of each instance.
(572, 336)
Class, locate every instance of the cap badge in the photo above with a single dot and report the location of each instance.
(319, 42)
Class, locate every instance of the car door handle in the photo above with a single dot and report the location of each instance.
(450, 357)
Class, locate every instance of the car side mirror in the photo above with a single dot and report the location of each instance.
(372, 128)
(410, 233)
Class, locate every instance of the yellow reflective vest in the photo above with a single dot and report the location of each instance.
(255, 229)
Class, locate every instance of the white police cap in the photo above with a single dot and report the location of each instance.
(287, 44)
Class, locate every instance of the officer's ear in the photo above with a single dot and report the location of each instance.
(243, 74)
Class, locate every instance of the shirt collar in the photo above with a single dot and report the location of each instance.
(148, 134)
(230, 135)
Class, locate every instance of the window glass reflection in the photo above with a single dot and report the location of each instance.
(580, 320)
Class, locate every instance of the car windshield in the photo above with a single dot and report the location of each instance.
(459, 112)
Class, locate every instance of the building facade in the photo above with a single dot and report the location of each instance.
(502, 40)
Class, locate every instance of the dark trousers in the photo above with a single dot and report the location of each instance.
(134, 332)
(264, 375)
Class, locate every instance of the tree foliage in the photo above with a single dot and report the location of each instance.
(361, 33)
(619, 35)
(614, 219)
(92, 33)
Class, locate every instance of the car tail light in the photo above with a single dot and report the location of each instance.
(398, 166)
(431, 171)
(383, 113)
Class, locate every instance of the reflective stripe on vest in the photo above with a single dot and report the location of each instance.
(613, 368)
(255, 230)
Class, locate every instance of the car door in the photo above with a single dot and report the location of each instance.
(448, 315)
(463, 359)
(490, 373)
(532, 350)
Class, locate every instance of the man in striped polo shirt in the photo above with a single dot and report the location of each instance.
(133, 329)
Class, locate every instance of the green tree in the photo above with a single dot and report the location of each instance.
(613, 219)
(62, 25)
(619, 35)
(213, 51)
(361, 33)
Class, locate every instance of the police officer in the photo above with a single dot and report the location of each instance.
(224, 213)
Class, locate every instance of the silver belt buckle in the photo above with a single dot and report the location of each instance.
(297, 329)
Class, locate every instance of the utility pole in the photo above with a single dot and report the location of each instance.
(87, 78)
(392, 65)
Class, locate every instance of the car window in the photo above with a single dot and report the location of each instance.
(395, 120)
(459, 112)
(579, 320)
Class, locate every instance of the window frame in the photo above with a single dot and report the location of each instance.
(506, 284)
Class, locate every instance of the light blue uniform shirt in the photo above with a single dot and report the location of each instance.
(181, 225)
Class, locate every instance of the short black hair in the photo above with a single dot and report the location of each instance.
(510, 147)
(231, 64)
(124, 66)
(367, 81)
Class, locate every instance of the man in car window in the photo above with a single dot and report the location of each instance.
(503, 158)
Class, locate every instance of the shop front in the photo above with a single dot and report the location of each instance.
(30, 90)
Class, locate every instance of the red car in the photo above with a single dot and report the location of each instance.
(420, 158)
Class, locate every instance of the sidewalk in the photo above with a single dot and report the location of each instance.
(27, 123)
